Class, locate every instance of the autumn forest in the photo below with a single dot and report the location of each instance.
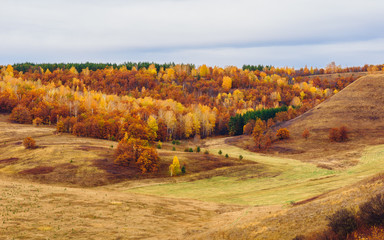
(141, 103)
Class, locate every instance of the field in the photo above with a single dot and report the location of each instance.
(70, 188)
(223, 198)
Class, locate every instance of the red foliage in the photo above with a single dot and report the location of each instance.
(29, 143)
(20, 114)
(338, 134)
(305, 134)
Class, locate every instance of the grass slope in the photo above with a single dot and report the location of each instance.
(289, 181)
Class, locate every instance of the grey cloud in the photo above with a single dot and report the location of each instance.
(165, 30)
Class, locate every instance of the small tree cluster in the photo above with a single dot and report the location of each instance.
(338, 134)
(21, 114)
(342, 222)
(133, 150)
(372, 212)
(29, 143)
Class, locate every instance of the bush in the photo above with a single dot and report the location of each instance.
(206, 152)
(29, 143)
(338, 134)
(20, 114)
(241, 157)
(282, 133)
(183, 169)
(198, 149)
(190, 150)
(305, 134)
(342, 222)
(159, 145)
(173, 149)
(173, 142)
(220, 152)
(372, 212)
(226, 155)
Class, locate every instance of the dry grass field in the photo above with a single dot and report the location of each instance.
(69, 188)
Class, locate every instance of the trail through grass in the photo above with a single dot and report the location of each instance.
(296, 180)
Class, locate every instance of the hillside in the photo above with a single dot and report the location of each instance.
(359, 106)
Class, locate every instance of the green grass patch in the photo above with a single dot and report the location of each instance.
(296, 181)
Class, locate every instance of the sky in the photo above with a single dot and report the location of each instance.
(222, 33)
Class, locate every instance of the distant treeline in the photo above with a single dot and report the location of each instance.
(256, 67)
(237, 122)
(25, 67)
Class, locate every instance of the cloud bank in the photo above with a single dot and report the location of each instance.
(226, 32)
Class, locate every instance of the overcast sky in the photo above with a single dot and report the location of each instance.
(214, 32)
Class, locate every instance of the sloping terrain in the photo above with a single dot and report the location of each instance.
(359, 107)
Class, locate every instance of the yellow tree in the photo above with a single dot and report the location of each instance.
(152, 124)
(174, 168)
(227, 83)
(188, 124)
(204, 71)
(9, 70)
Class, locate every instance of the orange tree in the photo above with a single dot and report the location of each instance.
(137, 151)
(282, 133)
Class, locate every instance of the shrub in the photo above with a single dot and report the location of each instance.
(173, 142)
(220, 152)
(198, 149)
(173, 149)
(177, 142)
(186, 149)
(342, 222)
(372, 212)
(282, 133)
(29, 143)
(183, 169)
(343, 132)
(241, 157)
(305, 134)
(159, 145)
(226, 155)
(190, 150)
(338, 134)
(206, 152)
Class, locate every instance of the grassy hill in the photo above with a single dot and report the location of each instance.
(359, 107)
